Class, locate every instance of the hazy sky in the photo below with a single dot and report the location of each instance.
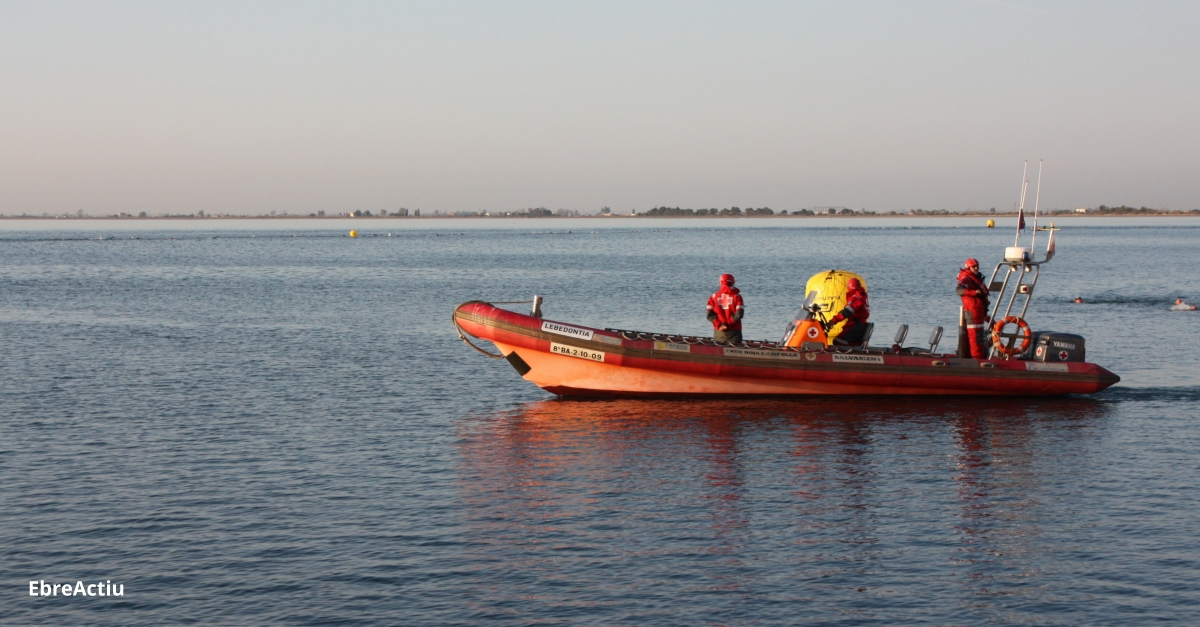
(249, 107)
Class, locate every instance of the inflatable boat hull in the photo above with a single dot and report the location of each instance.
(577, 361)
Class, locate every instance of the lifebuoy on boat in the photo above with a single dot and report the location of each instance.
(998, 335)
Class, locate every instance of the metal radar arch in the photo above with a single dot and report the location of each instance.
(1014, 280)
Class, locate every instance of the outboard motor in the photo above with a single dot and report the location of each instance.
(1058, 347)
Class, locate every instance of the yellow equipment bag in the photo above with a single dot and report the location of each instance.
(830, 287)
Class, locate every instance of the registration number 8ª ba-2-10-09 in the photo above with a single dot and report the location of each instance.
(572, 351)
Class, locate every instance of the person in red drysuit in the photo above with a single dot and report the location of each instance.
(725, 309)
(857, 310)
(975, 305)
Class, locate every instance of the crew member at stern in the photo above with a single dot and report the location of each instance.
(856, 311)
(725, 309)
(975, 305)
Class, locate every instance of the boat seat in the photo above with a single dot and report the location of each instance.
(865, 338)
(935, 338)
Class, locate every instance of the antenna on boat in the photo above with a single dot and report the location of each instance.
(1037, 197)
(1021, 208)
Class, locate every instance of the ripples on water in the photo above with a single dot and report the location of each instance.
(282, 427)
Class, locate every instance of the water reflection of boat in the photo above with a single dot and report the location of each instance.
(764, 495)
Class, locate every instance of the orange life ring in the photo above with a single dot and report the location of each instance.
(998, 334)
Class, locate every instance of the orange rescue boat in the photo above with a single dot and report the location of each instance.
(573, 360)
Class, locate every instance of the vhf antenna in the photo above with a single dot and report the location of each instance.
(1021, 209)
(1036, 198)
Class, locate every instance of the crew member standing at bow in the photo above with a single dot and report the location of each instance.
(856, 311)
(975, 305)
(725, 309)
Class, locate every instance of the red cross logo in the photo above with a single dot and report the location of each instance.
(812, 332)
(724, 300)
(1063, 355)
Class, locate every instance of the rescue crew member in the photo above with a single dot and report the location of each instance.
(975, 304)
(725, 310)
(856, 311)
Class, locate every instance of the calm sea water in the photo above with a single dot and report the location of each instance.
(278, 425)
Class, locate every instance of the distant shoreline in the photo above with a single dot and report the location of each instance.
(1164, 214)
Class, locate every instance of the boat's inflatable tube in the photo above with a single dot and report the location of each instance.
(579, 361)
(831, 289)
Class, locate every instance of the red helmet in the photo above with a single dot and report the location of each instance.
(726, 279)
(854, 284)
(971, 263)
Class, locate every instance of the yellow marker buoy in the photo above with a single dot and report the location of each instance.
(353, 233)
(991, 224)
(831, 288)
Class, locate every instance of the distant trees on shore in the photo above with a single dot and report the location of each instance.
(1122, 210)
(660, 212)
(679, 212)
(728, 211)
